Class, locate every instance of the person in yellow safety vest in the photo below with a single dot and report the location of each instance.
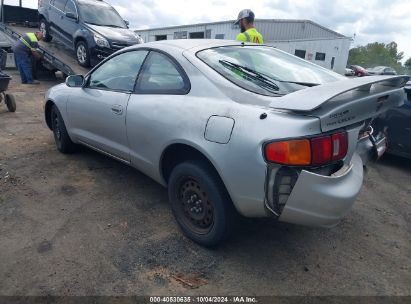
(24, 50)
(248, 31)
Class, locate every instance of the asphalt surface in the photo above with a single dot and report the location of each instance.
(85, 224)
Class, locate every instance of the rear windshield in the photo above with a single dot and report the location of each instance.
(100, 14)
(266, 70)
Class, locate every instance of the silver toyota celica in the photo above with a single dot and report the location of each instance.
(229, 127)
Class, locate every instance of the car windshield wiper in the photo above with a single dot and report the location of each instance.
(113, 25)
(267, 83)
(92, 23)
(306, 84)
(237, 66)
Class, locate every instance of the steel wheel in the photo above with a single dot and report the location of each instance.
(200, 203)
(56, 126)
(61, 137)
(195, 206)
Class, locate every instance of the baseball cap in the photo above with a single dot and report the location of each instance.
(244, 14)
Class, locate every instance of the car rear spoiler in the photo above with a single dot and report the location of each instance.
(312, 98)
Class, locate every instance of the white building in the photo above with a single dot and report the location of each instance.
(302, 38)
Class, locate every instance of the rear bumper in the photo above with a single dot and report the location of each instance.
(318, 200)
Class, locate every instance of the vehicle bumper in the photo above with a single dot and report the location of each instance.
(98, 54)
(318, 200)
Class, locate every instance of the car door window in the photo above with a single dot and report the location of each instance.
(119, 73)
(161, 75)
(70, 7)
(60, 4)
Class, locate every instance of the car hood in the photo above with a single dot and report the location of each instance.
(115, 34)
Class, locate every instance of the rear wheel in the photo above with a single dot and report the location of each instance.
(45, 29)
(10, 103)
(200, 203)
(83, 54)
(61, 137)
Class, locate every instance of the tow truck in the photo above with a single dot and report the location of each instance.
(17, 20)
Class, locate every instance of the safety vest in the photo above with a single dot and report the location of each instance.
(32, 38)
(251, 35)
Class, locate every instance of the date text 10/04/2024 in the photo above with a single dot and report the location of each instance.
(203, 300)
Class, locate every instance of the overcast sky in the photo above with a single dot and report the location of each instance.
(369, 20)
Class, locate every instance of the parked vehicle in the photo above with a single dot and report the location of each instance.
(92, 28)
(359, 71)
(349, 72)
(381, 70)
(396, 123)
(228, 126)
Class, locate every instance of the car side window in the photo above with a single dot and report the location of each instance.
(70, 7)
(160, 75)
(60, 4)
(119, 73)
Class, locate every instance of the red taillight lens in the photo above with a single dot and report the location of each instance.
(340, 145)
(292, 152)
(321, 150)
(304, 152)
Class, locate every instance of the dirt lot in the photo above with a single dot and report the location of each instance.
(87, 225)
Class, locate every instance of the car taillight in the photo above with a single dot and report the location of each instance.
(340, 145)
(314, 151)
(289, 152)
(321, 150)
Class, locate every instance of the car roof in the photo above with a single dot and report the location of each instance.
(186, 44)
(93, 2)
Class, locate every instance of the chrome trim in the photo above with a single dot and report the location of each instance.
(104, 152)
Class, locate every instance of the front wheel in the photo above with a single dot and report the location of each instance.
(83, 54)
(200, 203)
(61, 137)
(45, 29)
(10, 103)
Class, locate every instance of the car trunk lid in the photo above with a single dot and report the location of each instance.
(342, 103)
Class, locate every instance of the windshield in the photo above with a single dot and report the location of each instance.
(289, 73)
(100, 14)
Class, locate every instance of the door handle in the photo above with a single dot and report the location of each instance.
(117, 109)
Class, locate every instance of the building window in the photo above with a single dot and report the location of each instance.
(219, 36)
(320, 56)
(197, 35)
(161, 37)
(300, 53)
(180, 35)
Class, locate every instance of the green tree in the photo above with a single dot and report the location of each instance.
(375, 54)
(407, 64)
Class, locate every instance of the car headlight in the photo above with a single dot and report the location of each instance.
(140, 40)
(101, 41)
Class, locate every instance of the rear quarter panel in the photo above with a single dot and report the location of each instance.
(156, 122)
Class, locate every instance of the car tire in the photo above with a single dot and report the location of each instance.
(200, 203)
(61, 137)
(83, 54)
(45, 28)
(10, 103)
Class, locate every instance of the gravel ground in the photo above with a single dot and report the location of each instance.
(85, 224)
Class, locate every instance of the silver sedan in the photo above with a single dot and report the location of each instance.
(229, 128)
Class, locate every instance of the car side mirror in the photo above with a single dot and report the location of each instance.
(71, 15)
(127, 23)
(75, 81)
